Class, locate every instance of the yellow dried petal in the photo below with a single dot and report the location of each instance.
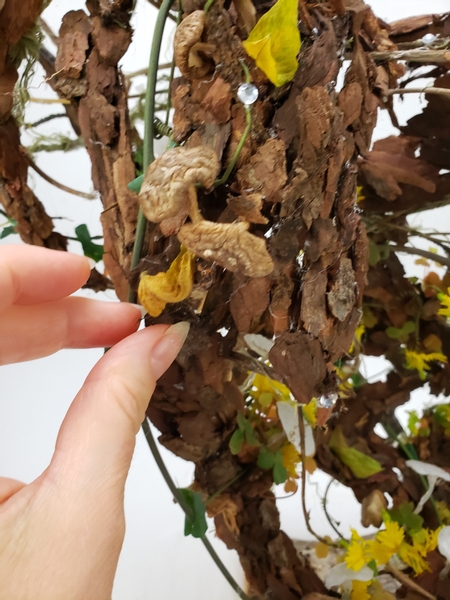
(175, 285)
(310, 412)
(322, 550)
(274, 42)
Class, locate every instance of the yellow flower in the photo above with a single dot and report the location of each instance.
(445, 301)
(291, 458)
(359, 590)
(392, 536)
(357, 554)
(155, 291)
(269, 390)
(385, 544)
(310, 412)
(412, 558)
(420, 360)
(274, 42)
(425, 540)
(380, 553)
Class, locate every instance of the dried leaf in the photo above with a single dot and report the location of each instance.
(165, 190)
(275, 42)
(155, 291)
(230, 245)
(187, 37)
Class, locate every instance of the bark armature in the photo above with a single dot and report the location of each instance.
(294, 185)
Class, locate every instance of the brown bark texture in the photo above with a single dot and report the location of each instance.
(305, 261)
(17, 199)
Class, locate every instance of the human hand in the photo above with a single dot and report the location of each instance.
(61, 535)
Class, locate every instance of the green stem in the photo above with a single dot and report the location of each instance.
(186, 508)
(152, 76)
(207, 6)
(248, 118)
(172, 69)
(149, 132)
(225, 486)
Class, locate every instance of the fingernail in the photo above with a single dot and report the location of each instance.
(141, 308)
(167, 348)
(91, 262)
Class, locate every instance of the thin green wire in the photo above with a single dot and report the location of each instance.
(149, 117)
(187, 509)
(248, 119)
(148, 158)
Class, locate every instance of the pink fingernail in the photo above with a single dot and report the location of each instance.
(167, 348)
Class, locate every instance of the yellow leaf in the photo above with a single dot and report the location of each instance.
(432, 343)
(274, 42)
(360, 464)
(155, 291)
(310, 464)
(290, 486)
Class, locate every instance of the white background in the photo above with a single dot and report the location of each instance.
(157, 561)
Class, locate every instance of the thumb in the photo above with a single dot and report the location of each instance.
(97, 438)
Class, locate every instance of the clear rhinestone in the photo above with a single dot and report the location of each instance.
(328, 400)
(247, 93)
(428, 39)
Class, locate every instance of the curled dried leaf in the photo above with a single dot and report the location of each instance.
(155, 291)
(188, 48)
(372, 508)
(165, 190)
(230, 245)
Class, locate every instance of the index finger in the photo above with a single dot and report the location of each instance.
(32, 275)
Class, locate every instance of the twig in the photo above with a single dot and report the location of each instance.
(48, 30)
(383, 223)
(145, 70)
(425, 90)
(412, 585)
(187, 509)
(50, 100)
(61, 186)
(419, 252)
(324, 505)
(440, 57)
(45, 120)
(301, 425)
